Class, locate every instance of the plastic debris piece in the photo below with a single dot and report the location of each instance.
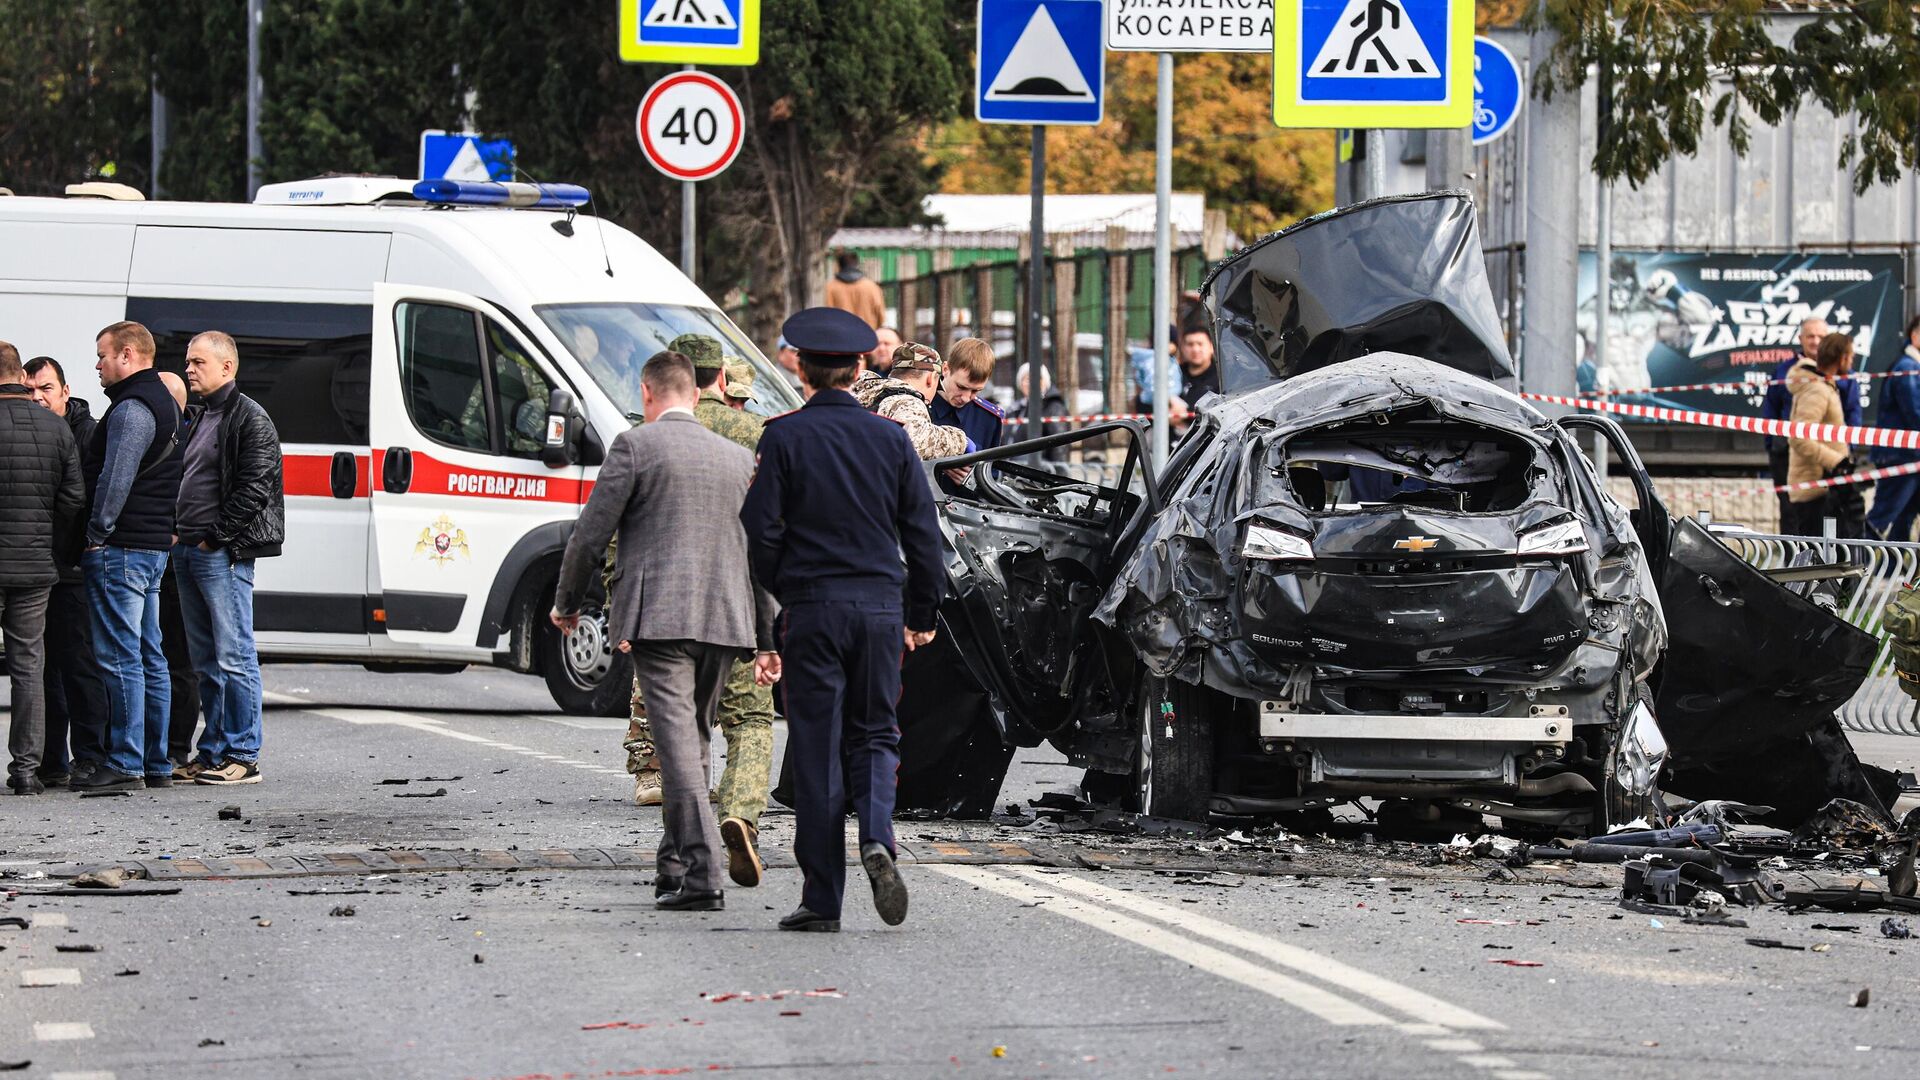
(106, 877)
(212, 1042)
(264, 922)
(1518, 963)
(342, 911)
(1861, 997)
(1825, 946)
(1774, 943)
(229, 813)
(999, 1051)
(76, 948)
(1898, 929)
(434, 794)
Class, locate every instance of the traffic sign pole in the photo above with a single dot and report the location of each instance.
(1037, 285)
(687, 221)
(1162, 258)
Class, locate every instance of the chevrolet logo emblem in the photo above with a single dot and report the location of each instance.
(1415, 544)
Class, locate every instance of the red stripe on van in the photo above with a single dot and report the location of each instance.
(311, 475)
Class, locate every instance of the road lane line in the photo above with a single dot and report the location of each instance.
(1328, 1006)
(1487, 1061)
(275, 697)
(1455, 1046)
(49, 977)
(81, 1076)
(433, 726)
(62, 1032)
(1393, 995)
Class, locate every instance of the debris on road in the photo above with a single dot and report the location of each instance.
(1774, 943)
(434, 794)
(1518, 963)
(229, 813)
(1861, 997)
(342, 911)
(76, 948)
(108, 877)
(1897, 929)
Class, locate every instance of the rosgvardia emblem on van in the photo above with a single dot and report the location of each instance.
(441, 541)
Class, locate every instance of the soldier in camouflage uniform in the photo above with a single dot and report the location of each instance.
(902, 397)
(739, 389)
(746, 708)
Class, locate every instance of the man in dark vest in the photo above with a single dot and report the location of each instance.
(133, 480)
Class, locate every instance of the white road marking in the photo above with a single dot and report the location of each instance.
(1327, 1006)
(81, 1076)
(1404, 999)
(1487, 1061)
(50, 977)
(584, 723)
(59, 1032)
(274, 697)
(1456, 1046)
(49, 920)
(434, 726)
(1508, 1074)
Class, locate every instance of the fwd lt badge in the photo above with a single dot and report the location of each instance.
(1415, 544)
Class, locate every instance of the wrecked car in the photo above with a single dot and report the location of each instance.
(1369, 570)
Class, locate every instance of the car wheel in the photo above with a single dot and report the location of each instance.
(1174, 774)
(584, 673)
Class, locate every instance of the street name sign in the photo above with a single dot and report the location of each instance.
(459, 155)
(722, 33)
(1373, 64)
(1040, 62)
(1190, 25)
(1497, 90)
(690, 125)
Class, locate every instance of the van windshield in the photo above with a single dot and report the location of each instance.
(612, 341)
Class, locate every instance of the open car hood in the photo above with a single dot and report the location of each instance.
(1399, 274)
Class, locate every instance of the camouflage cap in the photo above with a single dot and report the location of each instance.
(740, 380)
(702, 349)
(914, 356)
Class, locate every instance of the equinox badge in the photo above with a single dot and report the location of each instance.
(1415, 544)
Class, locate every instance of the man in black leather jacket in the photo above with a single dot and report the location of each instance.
(231, 511)
(76, 698)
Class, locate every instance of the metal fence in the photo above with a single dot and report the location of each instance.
(1886, 568)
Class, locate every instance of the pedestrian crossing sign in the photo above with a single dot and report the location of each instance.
(714, 32)
(1373, 64)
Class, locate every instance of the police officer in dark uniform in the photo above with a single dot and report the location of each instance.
(837, 485)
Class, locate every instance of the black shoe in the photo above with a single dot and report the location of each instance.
(802, 919)
(105, 781)
(26, 785)
(55, 779)
(889, 892)
(666, 884)
(693, 900)
(159, 781)
(82, 770)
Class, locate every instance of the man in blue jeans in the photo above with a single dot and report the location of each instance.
(133, 476)
(231, 511)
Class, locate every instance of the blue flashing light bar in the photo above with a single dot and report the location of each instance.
(491, 193)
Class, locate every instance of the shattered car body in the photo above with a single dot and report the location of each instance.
(1369, 570)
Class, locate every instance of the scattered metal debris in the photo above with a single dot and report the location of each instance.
(1898, 929)
(229, 813)
(434, 794)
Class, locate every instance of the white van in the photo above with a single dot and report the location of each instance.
(409, 347)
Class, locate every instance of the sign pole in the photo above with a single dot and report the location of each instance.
(1037, 284)
(1162, 258)
(686, 220)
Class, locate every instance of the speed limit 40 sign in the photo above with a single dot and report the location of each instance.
(690, 125)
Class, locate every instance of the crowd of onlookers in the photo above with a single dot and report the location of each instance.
(126, 587)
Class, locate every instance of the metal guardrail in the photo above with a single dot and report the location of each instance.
(1879, 705)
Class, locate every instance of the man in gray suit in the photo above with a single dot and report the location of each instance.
(679, 603)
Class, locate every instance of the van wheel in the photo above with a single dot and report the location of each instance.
(1174, 774)
(584, 674)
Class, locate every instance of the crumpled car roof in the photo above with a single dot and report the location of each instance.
(1399, 274)
(1384, 380)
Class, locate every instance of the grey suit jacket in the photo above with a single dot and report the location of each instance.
(673, 490)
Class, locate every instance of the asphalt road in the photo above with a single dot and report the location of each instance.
(1356, 964)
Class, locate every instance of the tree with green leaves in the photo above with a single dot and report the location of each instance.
(73, 95)
(1672, 66)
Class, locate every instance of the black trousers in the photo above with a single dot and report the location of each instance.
(76, 698)
(184, 712)
(1777, 466)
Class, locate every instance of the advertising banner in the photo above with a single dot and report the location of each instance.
(1684, 318)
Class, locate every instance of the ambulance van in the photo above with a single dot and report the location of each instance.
(446, 363)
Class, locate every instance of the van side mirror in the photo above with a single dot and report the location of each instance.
(564, 424)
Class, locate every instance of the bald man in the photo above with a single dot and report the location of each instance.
(230, 512)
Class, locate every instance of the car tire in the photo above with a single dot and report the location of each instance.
(584, 673)
(1174, 775)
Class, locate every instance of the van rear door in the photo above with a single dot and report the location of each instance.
(458, 417)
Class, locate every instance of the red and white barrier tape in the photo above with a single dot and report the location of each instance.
(1857, 436)
(1808, 485)
(1757, 385)
(1090, 418)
